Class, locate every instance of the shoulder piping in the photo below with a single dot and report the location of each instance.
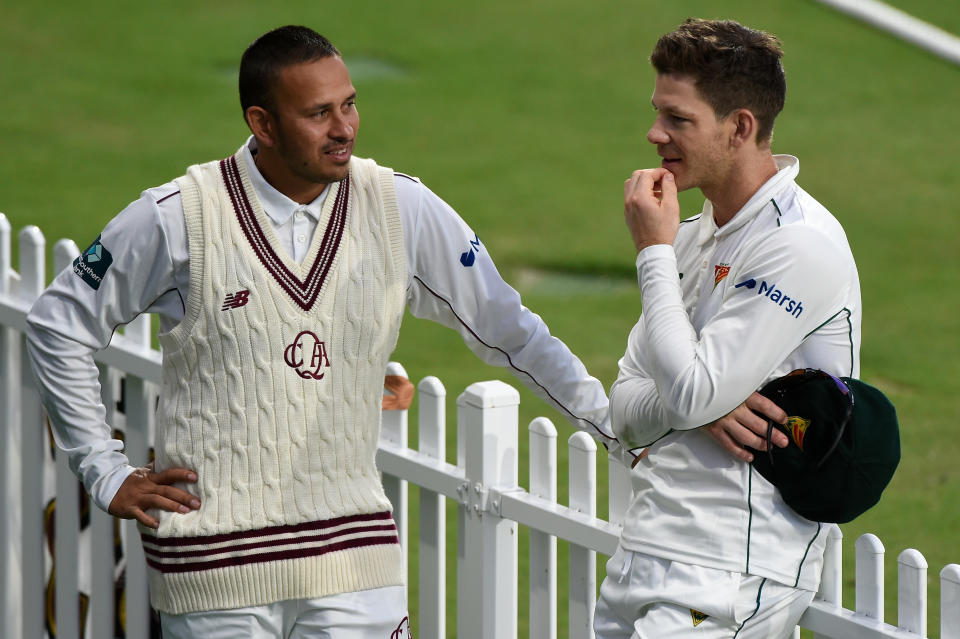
(404, 175)
(691, 219)
(827, 321)
(167, 197)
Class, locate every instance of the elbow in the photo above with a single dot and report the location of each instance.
(689, 406)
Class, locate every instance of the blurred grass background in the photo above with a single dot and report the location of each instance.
(526, 116)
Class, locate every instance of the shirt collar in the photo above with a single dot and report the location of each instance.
(276, 205)
(787, 169)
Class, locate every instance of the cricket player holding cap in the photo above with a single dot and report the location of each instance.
(760, 283)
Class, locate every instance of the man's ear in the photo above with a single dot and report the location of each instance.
(744, 129)
(262, 125)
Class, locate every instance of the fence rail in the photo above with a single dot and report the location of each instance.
(89, 579)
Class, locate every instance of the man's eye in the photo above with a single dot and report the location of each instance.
(676, 119)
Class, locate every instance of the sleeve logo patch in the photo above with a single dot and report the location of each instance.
(468, 257)
(92, 264)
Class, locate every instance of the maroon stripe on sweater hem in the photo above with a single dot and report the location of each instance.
(274, 556)
(260, 532)
(274, 543)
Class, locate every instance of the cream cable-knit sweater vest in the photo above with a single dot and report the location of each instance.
(271, 392)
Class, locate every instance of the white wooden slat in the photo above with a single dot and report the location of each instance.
(393, 429)
(543, 546)
(869, 584)
(67, 539)
(102, 584)
(433, 522)
(139, 409)
(66, 544)
(487, 585)
(950, 602)
(583, 561)
(33, 279)
(10, 601)
(912, 592)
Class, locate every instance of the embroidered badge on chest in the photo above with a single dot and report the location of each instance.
(720, 272)
(307, 355)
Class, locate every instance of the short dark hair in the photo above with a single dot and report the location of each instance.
(732, 66)
(271, 53)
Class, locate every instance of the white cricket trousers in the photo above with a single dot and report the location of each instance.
(379, 613)
(644, 597)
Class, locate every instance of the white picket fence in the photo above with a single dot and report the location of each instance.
(484, 483)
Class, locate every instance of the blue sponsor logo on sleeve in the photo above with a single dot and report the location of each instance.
(468, 257)
(92, 264)
(775, 295)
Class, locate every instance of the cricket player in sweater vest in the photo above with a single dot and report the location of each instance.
(280, 275)
(760, 283)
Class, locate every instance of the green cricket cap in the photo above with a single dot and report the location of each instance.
(844, 445)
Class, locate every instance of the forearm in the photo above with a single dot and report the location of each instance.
(70, 392)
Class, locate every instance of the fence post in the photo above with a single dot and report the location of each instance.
(139, 420)
(831, 579)
(583, 562)
(912, 592)
(33, 279)
(869, 583)
(67, 505)
(543, 546)
(103, 532)
(9, 477)
(432, 426)
(950, 602)
(393, 428)
(487, 558)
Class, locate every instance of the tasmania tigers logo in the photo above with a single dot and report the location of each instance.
(797, 428)
(720, 272)
(307, 355)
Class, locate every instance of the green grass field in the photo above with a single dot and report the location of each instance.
(527, 116)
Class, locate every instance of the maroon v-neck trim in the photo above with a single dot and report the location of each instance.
(305, 292)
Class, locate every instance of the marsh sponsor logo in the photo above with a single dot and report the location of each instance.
(775, 295)
(92, 264)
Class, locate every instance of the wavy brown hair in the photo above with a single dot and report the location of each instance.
(732, 66)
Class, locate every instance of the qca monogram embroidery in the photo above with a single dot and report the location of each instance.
(307, 366)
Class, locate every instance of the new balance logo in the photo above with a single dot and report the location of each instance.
(235, 300)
